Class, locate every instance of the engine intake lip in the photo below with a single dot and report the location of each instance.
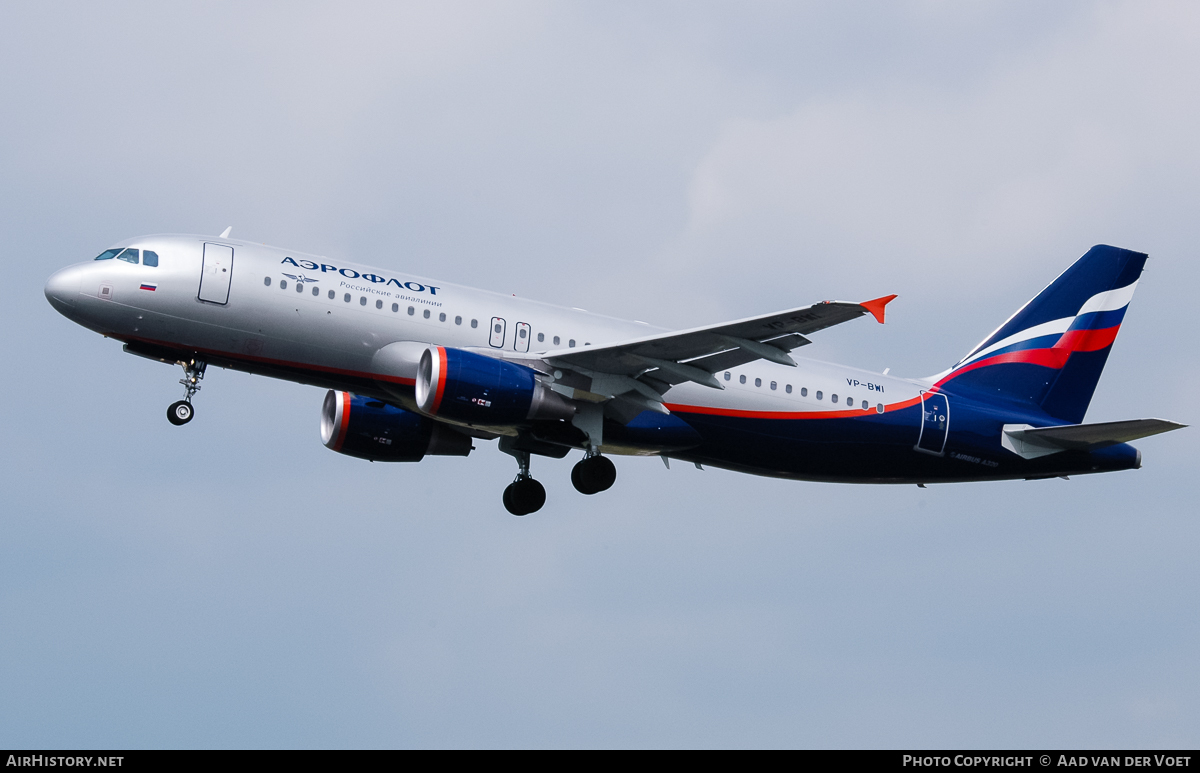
(430, 380)
(335, 419)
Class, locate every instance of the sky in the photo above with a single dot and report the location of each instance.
(233, 583)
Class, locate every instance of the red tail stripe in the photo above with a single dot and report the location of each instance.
(1047, 358)
(1087, 340)
(1055, 357)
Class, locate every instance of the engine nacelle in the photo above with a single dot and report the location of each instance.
(471, 388)
(371, 429)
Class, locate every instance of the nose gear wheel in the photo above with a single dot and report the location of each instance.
(181, 412)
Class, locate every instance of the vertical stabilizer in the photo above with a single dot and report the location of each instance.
(1052, 351)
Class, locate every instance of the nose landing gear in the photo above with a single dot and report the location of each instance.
(181, 412)
(593, 474)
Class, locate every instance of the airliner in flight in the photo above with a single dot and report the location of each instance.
(418, 367)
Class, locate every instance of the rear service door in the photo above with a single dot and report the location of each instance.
(497, 339)
(215, 273)
(935, 423)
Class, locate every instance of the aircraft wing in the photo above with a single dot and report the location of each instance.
(694, 355)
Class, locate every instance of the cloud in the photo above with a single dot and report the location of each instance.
(985, 185)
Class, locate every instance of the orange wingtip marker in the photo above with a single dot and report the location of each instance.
(876, 306)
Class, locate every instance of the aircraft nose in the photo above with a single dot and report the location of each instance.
(62, 288)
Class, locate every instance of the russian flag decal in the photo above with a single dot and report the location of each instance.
(150, 287)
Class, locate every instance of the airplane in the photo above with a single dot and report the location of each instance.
(416, 367)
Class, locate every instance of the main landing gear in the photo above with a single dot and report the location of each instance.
(181, 412)
(595, 473)
(524, 495)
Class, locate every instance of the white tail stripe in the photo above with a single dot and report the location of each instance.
(1110, 300)
(1053, 327)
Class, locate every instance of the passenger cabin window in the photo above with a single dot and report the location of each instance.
(541, 337)
(458, 320)
(107, 255)
(774, 385)
(441, 318)
(282, 284)
(758, 382)
(474, 323)
(788, 389)
(378, 304)
(267, 281)
(332, 295)
(129, 256)
(149, 258)
(426, 313)
(819, 395)
(804, 391)
(727, 376)
(833, 398)
(362, 300)
(316, 291)
(300, 287)
(849, 402)
(395, 307)
(571, 343)
(411, 311)
(556, 340)
(741, 379)
(346, 298)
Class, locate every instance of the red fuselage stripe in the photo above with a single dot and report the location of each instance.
(850, 413)
(269, 361)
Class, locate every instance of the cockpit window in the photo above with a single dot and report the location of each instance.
(149, 258)
(129, 255)
(107, 255)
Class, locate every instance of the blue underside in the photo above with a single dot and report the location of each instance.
(878, 448)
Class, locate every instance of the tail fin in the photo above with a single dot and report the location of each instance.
(1051, 352)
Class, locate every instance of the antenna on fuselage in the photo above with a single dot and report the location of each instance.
(225, 233)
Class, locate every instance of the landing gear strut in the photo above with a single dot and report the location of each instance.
(595, 473)
(181, 412)
(524, 495)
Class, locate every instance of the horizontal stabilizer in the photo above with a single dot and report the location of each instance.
(1031, 442)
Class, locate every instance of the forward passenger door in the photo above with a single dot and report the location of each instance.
(215, 273)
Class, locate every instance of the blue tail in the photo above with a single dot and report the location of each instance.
(1051, 352)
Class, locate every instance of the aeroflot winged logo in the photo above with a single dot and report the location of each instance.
(349, 273)
(300, 279)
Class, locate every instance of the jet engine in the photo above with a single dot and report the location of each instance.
(475, 389)
(371, 429)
